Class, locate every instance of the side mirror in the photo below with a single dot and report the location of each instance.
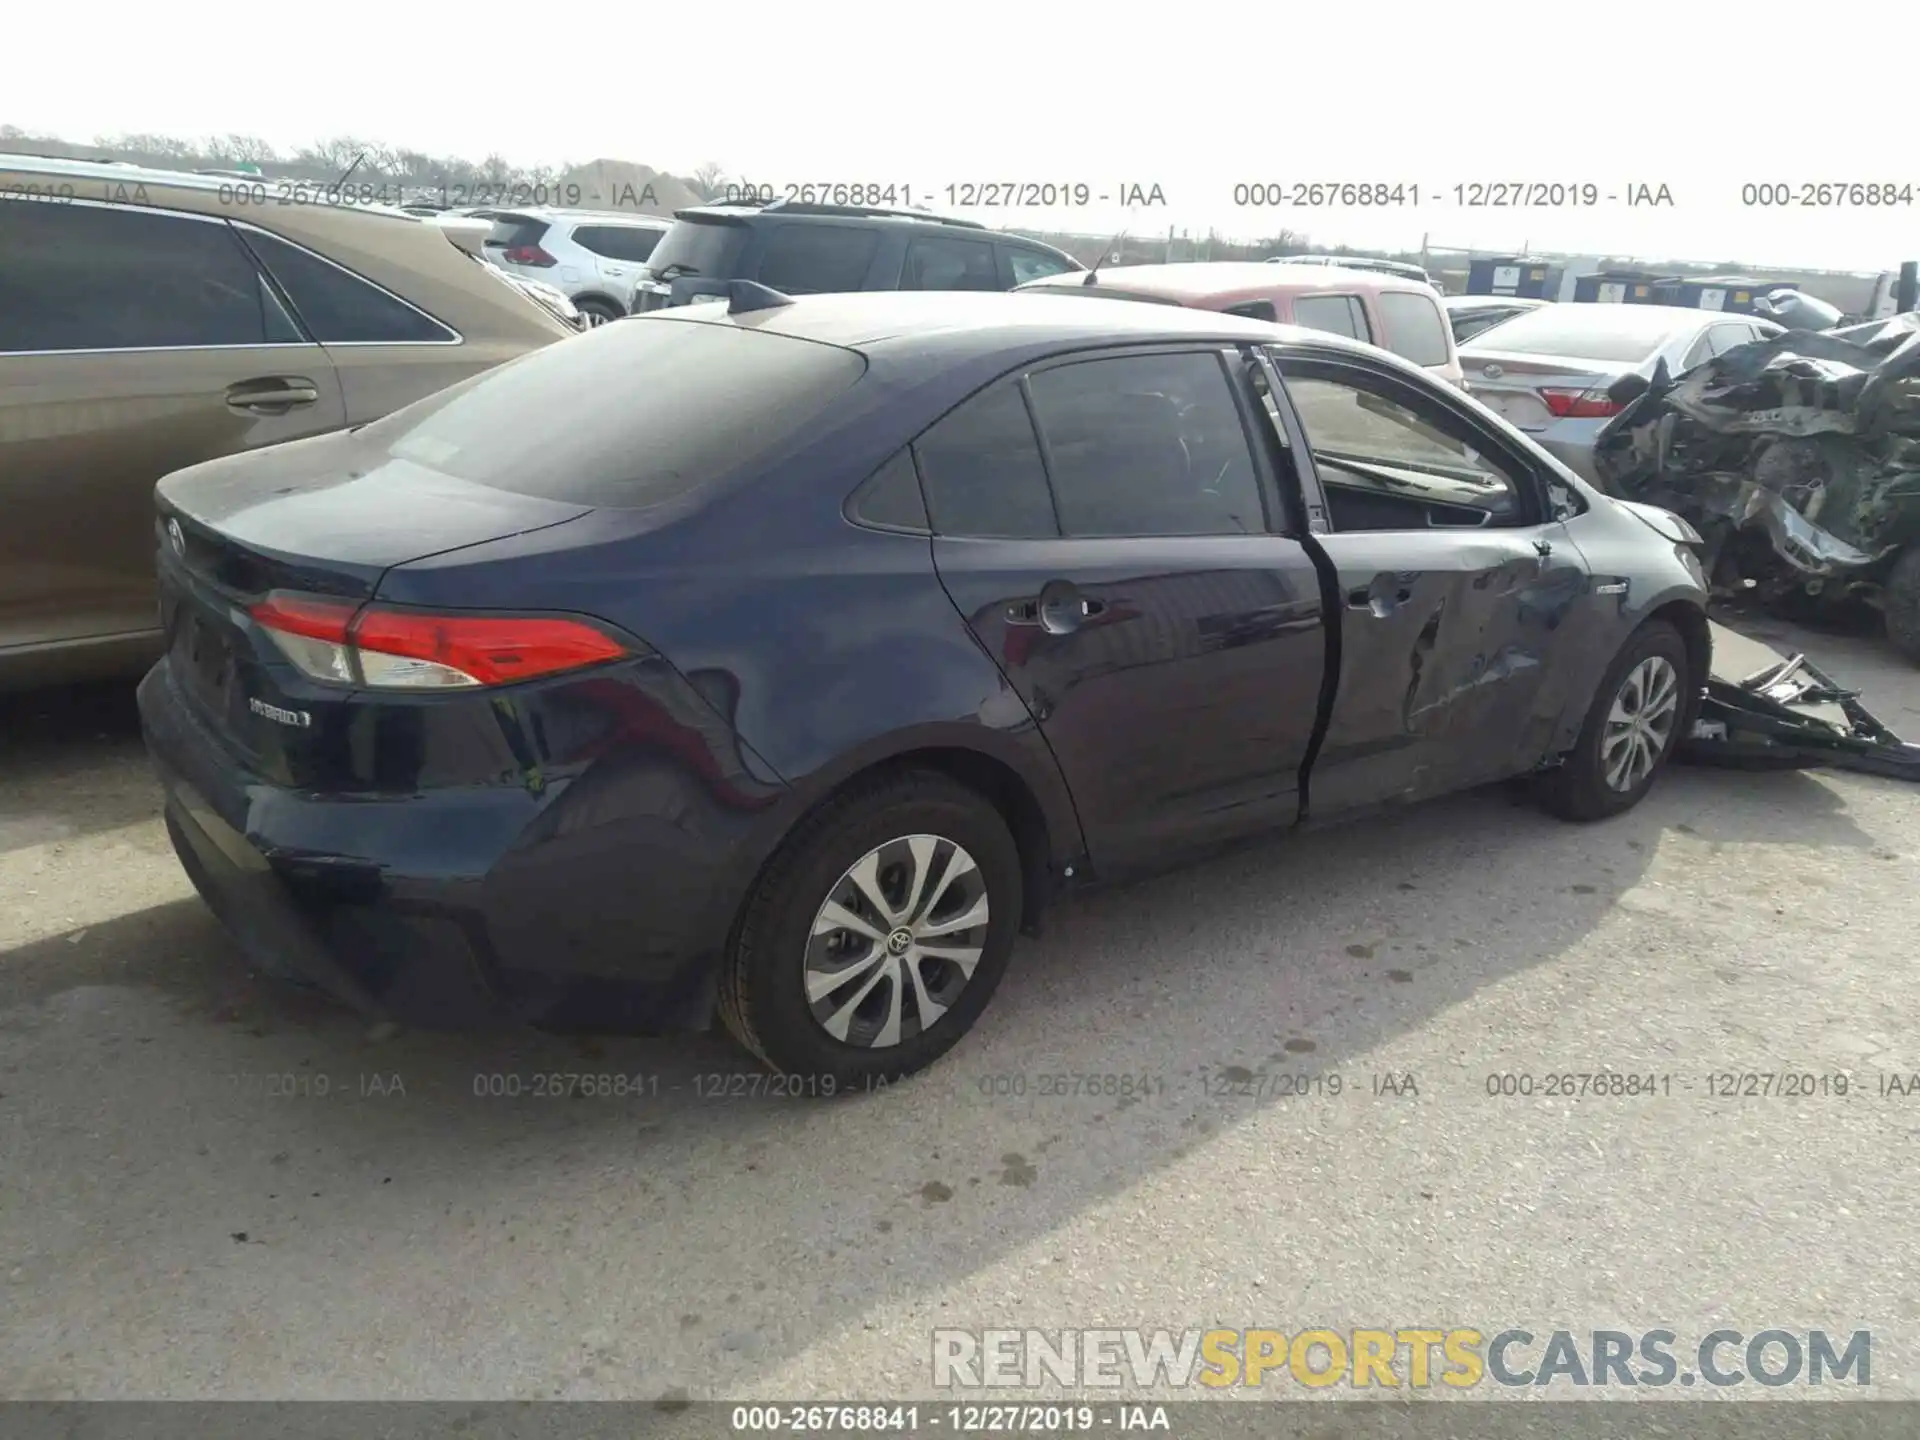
(1627, 389)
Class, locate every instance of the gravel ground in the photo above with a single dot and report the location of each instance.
(172, 1227)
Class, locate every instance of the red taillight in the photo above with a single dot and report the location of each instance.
(414, 650)
(1578, 404)
(488, 649)
(530, 255)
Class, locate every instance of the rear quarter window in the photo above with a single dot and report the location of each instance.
(1415, 329)
(542, 425)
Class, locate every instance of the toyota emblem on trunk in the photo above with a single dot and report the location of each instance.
(175, 538)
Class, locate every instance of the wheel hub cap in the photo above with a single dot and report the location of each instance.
(1640, 723)
(896, 941)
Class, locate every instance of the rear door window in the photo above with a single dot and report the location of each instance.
(982, 471)
(817, 259)
(1340, 314)
(337, 306)
(541, 425)
(1035, 264)
(1415, 330)
(87, 277)
(1147, 445)
(935, 262)
(618, 242)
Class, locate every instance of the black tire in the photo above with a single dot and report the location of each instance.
(1578, 788)
(762, 991)
(598, 312)
(1900, 599)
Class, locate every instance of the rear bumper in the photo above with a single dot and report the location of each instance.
(460, 909)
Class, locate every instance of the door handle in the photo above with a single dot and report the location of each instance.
(272, 396)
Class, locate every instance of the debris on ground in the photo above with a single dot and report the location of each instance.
(1765, 710)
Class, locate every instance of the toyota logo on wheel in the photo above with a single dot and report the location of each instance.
(175, 538)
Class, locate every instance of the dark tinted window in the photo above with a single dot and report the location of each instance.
(517, 231)
(695, 402)
(937, 263)
(338, 308)
(619, 242)
(1414, 328)
(983, 472)
(817, 259)
(1147, 445)
(698, 247)
(79, 277)
(1035, 264)
(1254, 310)
(1340, 314)
(890, 497)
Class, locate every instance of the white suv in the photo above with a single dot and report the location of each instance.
(593, 256)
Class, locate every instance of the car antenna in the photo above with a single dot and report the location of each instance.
(745, 295)
(347, 173)
(1110, 247)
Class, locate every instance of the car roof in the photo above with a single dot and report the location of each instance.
(1486, 302)
(114, 175)
(1676, 318)
(1209, 281)
(595, 217)
(982, 322)
(744, 210)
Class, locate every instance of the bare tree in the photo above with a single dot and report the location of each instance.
(709, 181)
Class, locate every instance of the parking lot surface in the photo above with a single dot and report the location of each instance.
(212, 1187)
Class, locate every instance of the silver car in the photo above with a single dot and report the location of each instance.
(1547, 371)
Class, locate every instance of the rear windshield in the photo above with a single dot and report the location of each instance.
(514, 231)
(627, 415)
(1584, 332)
(697, 247)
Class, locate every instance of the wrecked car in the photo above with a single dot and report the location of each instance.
(782, 659)
(1797, 458)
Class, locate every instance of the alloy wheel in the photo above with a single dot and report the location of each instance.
(896, 941)
(1640, 723)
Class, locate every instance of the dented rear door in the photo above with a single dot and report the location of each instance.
(1457, 592)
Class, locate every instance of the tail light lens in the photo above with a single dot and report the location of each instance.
(1579, 404)
(389, 649)
(529, 255)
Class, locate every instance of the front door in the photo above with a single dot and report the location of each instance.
(1456, 584)
(1112, 536)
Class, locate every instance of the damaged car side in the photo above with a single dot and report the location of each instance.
(594, 703)
(1798, 458)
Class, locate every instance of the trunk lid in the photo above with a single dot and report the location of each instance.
(328, 516)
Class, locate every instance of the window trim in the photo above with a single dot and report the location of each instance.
(1534, 495)
(455, 337)
(246, 250)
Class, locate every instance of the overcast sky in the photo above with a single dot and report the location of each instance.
(1194, 98)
